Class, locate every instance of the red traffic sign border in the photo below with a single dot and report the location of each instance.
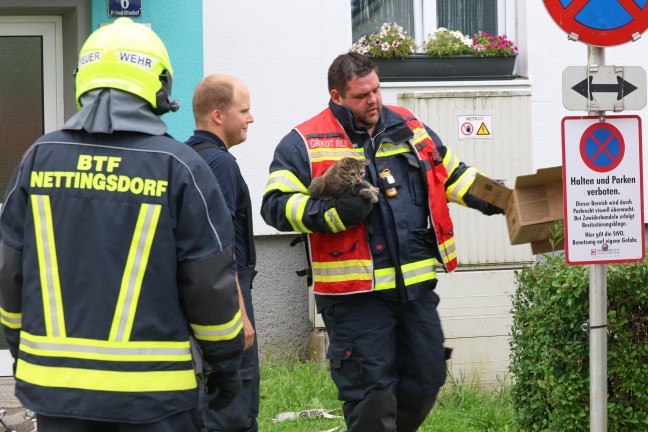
(565, 18)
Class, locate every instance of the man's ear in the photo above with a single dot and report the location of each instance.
(336, 96)
(216, 116)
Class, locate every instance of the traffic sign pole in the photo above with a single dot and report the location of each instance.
(600, 24)
(597, 325)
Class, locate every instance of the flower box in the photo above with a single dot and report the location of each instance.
(421, 67)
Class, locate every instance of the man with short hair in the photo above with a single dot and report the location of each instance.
(221, 106)
(373, 266)
(116, 249)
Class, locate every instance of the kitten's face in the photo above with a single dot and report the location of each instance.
(353, 170)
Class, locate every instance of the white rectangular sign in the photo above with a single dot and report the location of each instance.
(603, 189)
(475, 127)
(604, 88)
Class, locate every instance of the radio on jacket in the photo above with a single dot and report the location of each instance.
(388, 182)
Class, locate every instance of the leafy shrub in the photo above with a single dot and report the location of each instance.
(550, 349)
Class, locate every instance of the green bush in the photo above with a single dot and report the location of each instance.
(550, 349)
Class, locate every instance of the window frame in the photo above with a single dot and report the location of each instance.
(49, 28)
(425, 19)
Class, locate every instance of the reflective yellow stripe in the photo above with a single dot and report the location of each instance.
(448, 250)
(48, 266)
(295, 211)
(419, 135)
(450, 162)
(220, 332)
(333, 220)
(419, 271)
(91, 349)
(388, 149)
(458, 189)
(340, 271)
(11, 319)
(322, 154)
(385, 278)
(284, 181)
(133, 276)
(102, 380)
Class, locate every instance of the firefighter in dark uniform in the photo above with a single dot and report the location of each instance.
(117, 248)
(221, 106)
(373, 267)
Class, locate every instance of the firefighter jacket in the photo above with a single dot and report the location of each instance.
(115, 249)
(405, 236)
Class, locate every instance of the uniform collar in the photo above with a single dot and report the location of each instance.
(201, 135)
(109, 110)
(388, 118)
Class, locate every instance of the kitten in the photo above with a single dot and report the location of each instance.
(341, 176)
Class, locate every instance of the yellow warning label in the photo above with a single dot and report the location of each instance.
(483, 130)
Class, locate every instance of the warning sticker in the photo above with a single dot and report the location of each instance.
(475, 127)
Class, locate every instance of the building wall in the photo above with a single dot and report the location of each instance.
(179, 25)
(280, 298)
(281, 50)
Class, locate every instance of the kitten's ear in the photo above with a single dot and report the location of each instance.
(365, 162)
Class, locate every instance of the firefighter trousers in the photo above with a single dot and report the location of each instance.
(241, 414)
(387, 360)
(186, 421)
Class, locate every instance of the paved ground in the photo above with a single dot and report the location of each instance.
(15, 413)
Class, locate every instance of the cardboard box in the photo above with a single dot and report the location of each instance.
(531, 209)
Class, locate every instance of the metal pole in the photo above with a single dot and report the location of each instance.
(598, 314)
(598, 347)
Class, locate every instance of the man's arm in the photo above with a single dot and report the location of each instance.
(460, 178)
(248, 328)
(287, 205)
(12, 221)
(228, 175)
(207, 279)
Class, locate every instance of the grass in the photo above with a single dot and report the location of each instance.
(294, 386)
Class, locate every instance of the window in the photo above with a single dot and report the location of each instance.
(421, 17)
(30, 88)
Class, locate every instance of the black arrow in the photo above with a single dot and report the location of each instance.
(622, 88)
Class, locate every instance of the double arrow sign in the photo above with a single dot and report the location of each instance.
(587, 88)
(604, 88)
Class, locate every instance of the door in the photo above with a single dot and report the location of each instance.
(31, 91)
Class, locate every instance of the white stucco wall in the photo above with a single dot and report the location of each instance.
(281, 50)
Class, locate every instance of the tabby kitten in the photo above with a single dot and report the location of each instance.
(341, 176)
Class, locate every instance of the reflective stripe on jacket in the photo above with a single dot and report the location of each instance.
(341, 262)
(400, 231)
(435, 178)
(115, 248)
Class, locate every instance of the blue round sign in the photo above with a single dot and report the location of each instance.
(602, 147)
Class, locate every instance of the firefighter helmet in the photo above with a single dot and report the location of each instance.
(127, 56)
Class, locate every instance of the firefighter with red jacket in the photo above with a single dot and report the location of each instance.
(117, 248)
(373, 267)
